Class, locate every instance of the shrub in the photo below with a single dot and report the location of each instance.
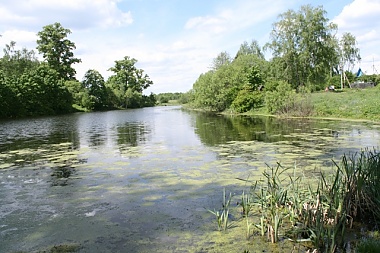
(247, 100)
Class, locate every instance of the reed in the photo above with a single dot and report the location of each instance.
(284, 205)
(223, 214)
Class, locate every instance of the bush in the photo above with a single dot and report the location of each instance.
(284, 100)
(281, 96)
(247, 100)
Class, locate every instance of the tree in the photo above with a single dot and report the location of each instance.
(42, 92)
(216, 90)
(349, 51)
(250, 95)
(76, 90)
(9, 102)
(222, 59)
(304, 45)
(16, 62)
(127, 81)
(57, 50)
(253, 48)
(96, 93)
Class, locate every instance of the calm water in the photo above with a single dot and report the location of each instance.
(142, 180)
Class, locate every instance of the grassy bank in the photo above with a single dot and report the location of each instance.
(349, 103)
(354, 104)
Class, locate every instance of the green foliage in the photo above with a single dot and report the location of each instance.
(164, 98)
(96, 97)
(41, 92)
(76, 90)
(149, 101)
(222, 59)
(283, 100)
(368, 246)
(57, 50)
(28, 87)
(349, 52)
(16, 62)
(247, 100)
(276, 101)
(304, 52)
(216, 90)
(9, 102)
(250, 49)
(304, 46)
(127, 83)
(222, 215)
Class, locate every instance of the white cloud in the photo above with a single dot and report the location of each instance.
(359, 14)
(77, 14)
(22, 38)
(361, 18)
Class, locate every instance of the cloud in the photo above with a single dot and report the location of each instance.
(76, 14)
(360, 18)
(359, 14)
(22, 38)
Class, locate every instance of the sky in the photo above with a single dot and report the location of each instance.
(174, 41)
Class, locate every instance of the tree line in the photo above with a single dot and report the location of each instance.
(306, 56)
(30, 87)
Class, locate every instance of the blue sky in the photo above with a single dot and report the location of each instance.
(175, 41)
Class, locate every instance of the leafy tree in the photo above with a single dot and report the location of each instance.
(96, 93)
(9, 102)
(222, 59)
(253, 49)
(216, 90)
(76, 90)
(42, 92)
(149, 101)
(251, 95)
(304, 46)
(14, 63)
(349, 51)
(127, 81)
(280, 98)
(57, 50)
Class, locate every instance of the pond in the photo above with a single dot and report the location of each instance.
(143, 180)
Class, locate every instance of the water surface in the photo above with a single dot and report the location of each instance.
(142, 180)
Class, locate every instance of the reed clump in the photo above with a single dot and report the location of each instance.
(283, 205)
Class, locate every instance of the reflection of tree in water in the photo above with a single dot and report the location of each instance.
(132, 134)
(61, 174)
(97, 139)
(218, 129)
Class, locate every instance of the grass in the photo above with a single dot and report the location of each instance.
(349, 103)
(357, 104)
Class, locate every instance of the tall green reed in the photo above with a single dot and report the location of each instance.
(222, 215)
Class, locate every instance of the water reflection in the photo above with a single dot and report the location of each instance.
(132, 134)
(220, 129)
(34, 132)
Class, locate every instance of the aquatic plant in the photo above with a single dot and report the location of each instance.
(222, 215)
(317, 213)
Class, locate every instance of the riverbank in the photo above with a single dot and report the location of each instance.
(346, 104)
